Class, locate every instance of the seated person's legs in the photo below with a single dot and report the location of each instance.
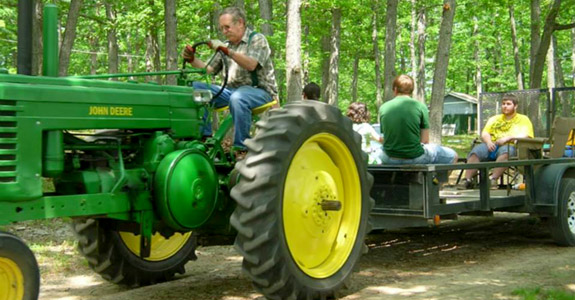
(440, 155)
(503, 154)
(478, 153)
(222, 100)
(242, 101)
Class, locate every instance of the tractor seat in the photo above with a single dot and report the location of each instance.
(255, 111)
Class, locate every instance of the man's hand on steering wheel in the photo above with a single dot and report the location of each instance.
(189, 53)
(219, 45)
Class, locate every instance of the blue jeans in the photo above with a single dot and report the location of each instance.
(241, 102)
(482, 152)
(434, 154)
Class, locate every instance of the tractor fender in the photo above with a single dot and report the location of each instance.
(547, 181)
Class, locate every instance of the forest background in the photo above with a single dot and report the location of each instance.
(352, 48)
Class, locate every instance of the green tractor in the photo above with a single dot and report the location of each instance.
(129, 166)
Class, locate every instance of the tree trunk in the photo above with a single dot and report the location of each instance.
(241, 4)
(413, 54)
(293, 51)
(476, 56)
(439, 77)
(69, 36)
(112, 39)
(518, 72)
(152, 46)
(377, 56)
(306, 55)
(421, 37)
(333, 82)
(172, 56)
(325, 68)
(535, 31)
(354, 78)
(389, 55)
(573, 55)
(554, 64)
(94, 55)
(551, 80)
(37, 43)
(539, 62)
(266, 15)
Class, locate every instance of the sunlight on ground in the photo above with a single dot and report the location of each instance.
(398, 291)
(234, 258)
(571, 287)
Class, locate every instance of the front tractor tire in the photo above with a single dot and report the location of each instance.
(19, 273)
(563, 225)
(302, 202)
(115, 255)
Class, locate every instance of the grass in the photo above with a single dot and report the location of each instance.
(541, 294)
(460, 143)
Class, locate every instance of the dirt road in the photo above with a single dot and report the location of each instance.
(472, 258)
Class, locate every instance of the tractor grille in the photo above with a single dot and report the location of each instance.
(8, 141)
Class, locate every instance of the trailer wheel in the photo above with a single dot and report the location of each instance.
(302, 202)
(19, 273)
(563, 225)
(115, 255)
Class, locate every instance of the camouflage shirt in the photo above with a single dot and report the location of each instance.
(259, 50)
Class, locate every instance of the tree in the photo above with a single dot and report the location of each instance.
(293, 51)
(171, 24)
(421, 37)
(439, 77)
(376, 55)
(333, 81)
(69, 37)
(389, 57)
(518, 72)
(113, 48)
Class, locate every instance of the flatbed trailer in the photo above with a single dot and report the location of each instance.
(419, 195)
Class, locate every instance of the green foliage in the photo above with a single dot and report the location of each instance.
(541, 294)
(196, 22)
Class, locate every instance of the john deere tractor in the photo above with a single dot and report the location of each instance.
(127, 162)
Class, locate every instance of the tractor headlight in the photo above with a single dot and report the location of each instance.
(202, 96)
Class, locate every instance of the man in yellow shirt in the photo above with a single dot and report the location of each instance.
(498, 136)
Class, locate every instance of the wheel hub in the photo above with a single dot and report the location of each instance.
(11, 280)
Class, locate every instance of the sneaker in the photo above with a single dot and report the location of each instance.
(466, 184)
(494, 184)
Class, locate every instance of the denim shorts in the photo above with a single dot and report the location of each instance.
(482, 151)
(434, 154)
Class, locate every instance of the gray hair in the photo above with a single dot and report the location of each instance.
(236, 13)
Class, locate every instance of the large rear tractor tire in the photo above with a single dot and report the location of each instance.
(563, 225)
(302, 202)
(115, 255)
(19, 273)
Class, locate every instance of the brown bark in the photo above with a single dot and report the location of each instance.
(171, 25)
(69, 37)
(389, 55)
(324, 67)
(413, 54)
(354, 78)
(377, 56)
(421, 37)
(333, 82)
(266, 14)
(37, 43)
(112, 39)
(535, 31)
(476, 56)
(293, 51)
(441, 65)
(518, 72)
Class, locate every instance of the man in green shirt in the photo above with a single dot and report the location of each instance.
(405, 126)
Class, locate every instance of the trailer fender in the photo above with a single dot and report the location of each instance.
(547, 182)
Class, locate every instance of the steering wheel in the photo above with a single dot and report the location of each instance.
(224, 61)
